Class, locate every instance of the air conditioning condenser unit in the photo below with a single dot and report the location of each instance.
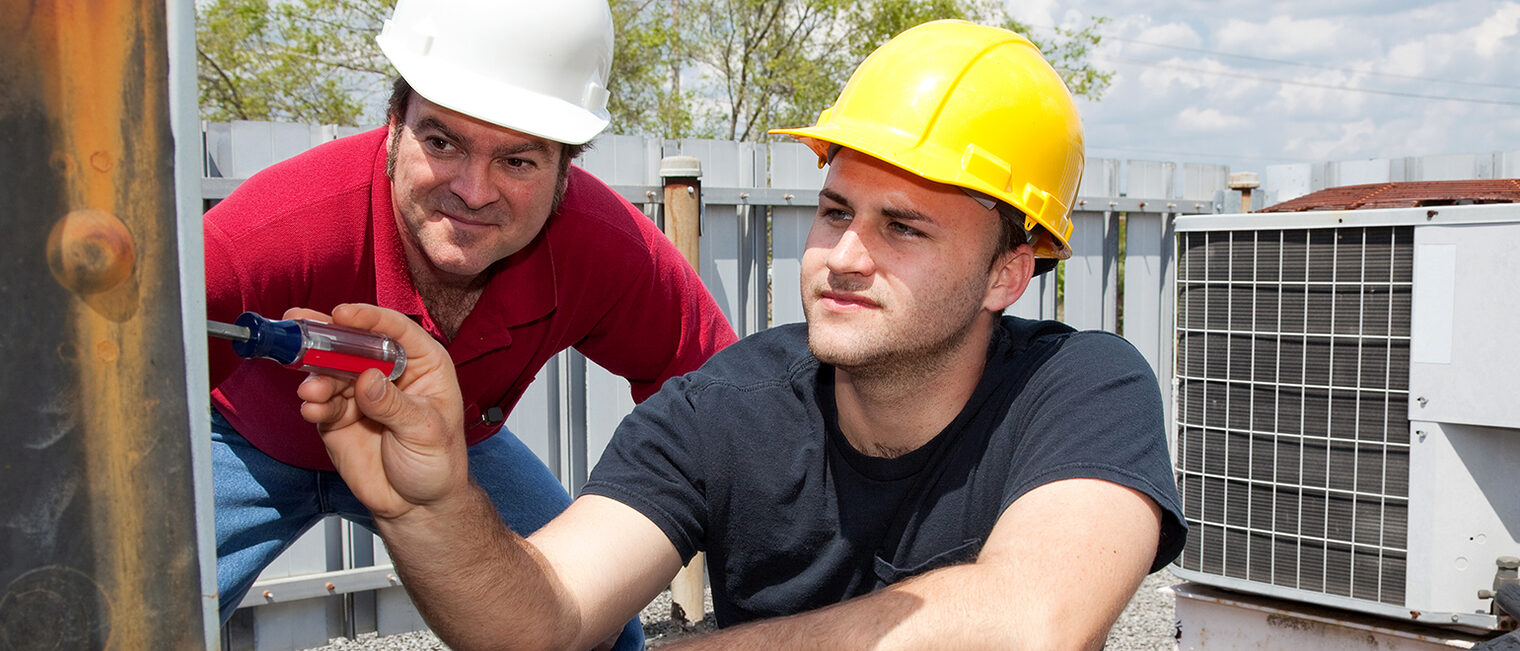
(1346, 406)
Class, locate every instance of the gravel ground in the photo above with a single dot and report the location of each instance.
(1147, 624)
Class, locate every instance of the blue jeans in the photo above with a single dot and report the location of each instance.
(264, 505)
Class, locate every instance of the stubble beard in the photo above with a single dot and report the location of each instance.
(904, 355)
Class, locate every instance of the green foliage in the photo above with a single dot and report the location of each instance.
(1068, 52)
(877, 22)
(645, 87)
(726, 69)
(766, 60)
(291, 60)
(732, 69)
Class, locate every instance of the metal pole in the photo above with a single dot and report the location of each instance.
(95, 461)
(683, 225)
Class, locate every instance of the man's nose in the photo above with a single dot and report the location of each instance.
(473, 185)
(850, 255)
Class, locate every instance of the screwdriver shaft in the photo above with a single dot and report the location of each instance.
(226, 331)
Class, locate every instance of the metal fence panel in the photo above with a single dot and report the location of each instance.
(1100, 178)
(1508, 165)
(789, 229)
(792, 166)
(1089, 278)
(1450, 167)
(1358, 172)
(1283, 182)
(1149, 179)
(1039, 299)
(1200, 182)
(616, 160)
(620, 160)
(1143, 276)
(1082, 307)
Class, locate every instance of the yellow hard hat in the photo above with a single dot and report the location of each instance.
(971, 106)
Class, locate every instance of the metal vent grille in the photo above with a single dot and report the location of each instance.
(1292, 429)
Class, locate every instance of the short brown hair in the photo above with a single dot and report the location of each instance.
(1011, 235)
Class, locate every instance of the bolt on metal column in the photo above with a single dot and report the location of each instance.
(100, 545)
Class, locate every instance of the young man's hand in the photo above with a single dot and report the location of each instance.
(399, 446)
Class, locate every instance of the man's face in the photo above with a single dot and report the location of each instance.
(895, 272)
(466, 192)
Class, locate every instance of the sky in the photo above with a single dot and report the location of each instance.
(1254, 84)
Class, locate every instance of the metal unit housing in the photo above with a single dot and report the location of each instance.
(1344, 400)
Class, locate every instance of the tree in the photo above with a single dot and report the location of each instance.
(645, 83)
(1068, 52)
(726, 69)
(760, 64)
(291, 60)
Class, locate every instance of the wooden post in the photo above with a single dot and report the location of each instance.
(683, 225)
(1245, 182)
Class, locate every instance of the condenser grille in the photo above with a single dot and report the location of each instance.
(1292, 374)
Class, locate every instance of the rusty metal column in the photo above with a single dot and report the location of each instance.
(98, 514)
(683, 225)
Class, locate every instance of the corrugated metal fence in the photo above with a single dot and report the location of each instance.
(758, 201)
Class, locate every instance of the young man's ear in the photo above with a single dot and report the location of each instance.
(1009, 278)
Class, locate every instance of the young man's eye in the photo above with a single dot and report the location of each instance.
(520, 163)
(438, 144)
(904, 229)
(834, 215)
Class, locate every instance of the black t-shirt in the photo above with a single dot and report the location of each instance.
(743, 459)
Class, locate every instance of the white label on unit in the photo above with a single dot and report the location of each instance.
(1435, 281)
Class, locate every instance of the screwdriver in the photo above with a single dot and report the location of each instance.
(313, 346)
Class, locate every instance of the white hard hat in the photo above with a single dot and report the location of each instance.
(536, 67)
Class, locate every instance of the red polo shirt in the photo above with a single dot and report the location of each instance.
(317, 231)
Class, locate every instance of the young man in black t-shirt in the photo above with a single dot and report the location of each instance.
(910, 469)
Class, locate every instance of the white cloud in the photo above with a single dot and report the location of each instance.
(1410, 58)
(1319, 93)
(1334, 142)
(1489, 36)
(1185, 73)
(1208, 106)
(1280, 36)
(1193, 118)
(1032, 12)
(1178, 34)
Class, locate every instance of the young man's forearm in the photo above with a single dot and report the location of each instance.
(1047, 578)
(963, 607)
(477, 584)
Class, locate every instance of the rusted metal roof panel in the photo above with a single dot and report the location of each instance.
(1406, 194)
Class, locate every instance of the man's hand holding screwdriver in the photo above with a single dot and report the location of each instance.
(399, 446)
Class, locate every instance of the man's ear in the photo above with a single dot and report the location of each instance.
(1009, 278)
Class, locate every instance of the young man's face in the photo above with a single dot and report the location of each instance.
(466, 192)
(896, 266)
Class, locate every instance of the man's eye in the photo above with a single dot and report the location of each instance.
(904, 229)
(520, 163)
(834, 215)
(438, 144)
